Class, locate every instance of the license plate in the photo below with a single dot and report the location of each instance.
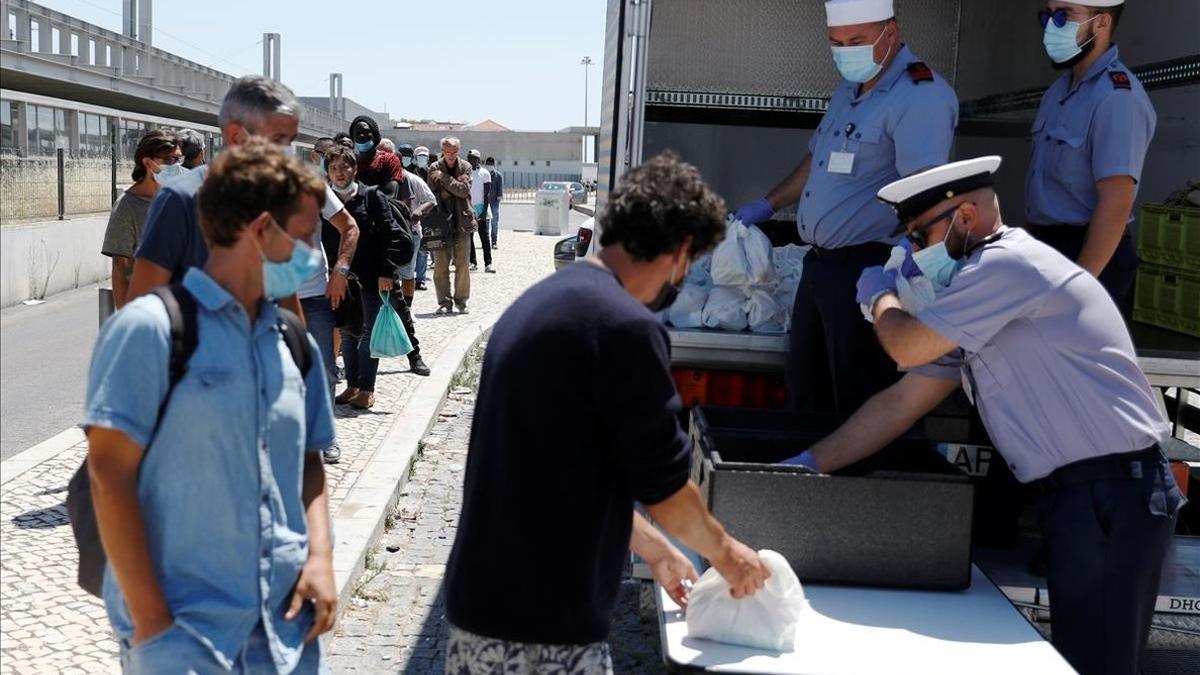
(973, 460)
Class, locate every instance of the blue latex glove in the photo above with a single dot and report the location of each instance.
(909, 267)
(873, 282)
(804, 459)
(755, 212)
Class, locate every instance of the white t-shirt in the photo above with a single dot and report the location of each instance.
(318, 283)
(479, 177)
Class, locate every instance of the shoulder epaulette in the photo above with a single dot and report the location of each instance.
(919, 72)
(1120, 79)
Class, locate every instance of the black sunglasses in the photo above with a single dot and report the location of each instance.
(917, 237)
(1059, 16)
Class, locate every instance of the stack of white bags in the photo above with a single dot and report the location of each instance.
(744, 284)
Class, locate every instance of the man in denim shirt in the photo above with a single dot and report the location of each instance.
(218, 544)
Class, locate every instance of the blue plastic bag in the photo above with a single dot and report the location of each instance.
(388, 337)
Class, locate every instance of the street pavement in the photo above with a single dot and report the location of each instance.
(44, 355)
(47, 624)
(396, 619)
(45, 351)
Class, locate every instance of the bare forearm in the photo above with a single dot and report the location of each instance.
(120, 280)
(646, 541)
(685, 516)
(348, 245)
(123, 535)
(316, 507)
(1105, 230)
(788, 192)
(878, 422)
(146, 277)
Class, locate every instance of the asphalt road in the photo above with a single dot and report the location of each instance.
(44, 356)
(45, 351)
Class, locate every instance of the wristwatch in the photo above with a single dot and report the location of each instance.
(343, 270)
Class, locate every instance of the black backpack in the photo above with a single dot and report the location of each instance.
(181, 309)
(401, 245)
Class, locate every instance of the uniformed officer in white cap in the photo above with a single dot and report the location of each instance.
(1043, 352)
(891, 116)
(1089, 142)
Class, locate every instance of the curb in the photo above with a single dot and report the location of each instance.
(359, 521)
(27, 459)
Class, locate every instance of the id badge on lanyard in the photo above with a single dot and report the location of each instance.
(842, 162)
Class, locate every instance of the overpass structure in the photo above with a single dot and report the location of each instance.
(46, 55)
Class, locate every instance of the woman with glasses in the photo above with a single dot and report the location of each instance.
(158, 158)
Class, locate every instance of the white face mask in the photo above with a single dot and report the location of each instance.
(168, 172)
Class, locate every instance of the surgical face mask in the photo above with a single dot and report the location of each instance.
(423, 161)
(344, 188)
(365, 146)
(282, 280)
(857, 64)
(168, 172)
(406, 160)
(1061, 42)
(322, 168)
(936, 263)
(667, 294)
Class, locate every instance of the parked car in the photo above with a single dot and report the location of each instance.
(578, 194)
(577, 246)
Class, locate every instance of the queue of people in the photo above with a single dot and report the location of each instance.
(1026, 322)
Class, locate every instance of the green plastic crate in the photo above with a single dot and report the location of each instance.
(1170, 236)
(1168, 298)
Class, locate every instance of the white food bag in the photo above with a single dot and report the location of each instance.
(688, 309)
(762, 312)
(725, 309)
(729, 264)
(765, 620)
(757, 246)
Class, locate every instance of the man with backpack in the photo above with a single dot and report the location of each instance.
(382, 171)
(204, 442)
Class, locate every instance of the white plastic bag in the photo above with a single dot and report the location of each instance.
(729, 264)
(757, 246)
(700, 273)
(688, 309)
(762, 312)
(915, 293)
(765, 620)
(725, 308)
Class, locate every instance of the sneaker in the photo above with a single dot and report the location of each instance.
(463, 310)
(365, 400)
(443, 311)
(490, 269)
(495, 246)
(421, 286)
(332, 454)
(474, 267)
(346, 396)
(417, 365)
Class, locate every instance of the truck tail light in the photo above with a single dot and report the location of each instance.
(701, 387)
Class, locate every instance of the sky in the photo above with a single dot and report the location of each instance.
(513, 61)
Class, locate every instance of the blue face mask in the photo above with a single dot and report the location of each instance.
(322, 168)
(857, 64)
(1061, 43)
(281, 280)
(937, 265)
(365, 146)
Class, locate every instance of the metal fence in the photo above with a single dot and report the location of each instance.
(44, 188)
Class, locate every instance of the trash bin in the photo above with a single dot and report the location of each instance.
(551, 213)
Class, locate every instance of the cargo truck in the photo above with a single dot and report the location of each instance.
(736, 88)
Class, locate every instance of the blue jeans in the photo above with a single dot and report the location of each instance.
(318, 316)
(361, 369)
(495, 209)
(176, 651)
(422, 264)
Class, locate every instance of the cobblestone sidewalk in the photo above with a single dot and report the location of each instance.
(396, 620)
(47, 624)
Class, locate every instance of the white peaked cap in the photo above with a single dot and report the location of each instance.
(854, 12)
(1097, 3)
(916, 194)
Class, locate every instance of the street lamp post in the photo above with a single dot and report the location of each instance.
(586, 63)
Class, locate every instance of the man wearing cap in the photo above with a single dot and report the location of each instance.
(1089, 143)
(1042, 351)
(891, 116)
(481, 194)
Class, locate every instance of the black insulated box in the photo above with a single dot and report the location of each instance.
(900, 519)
